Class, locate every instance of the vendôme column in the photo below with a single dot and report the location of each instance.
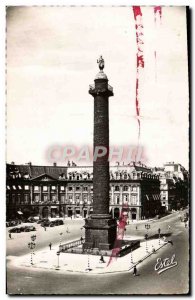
(100, 228)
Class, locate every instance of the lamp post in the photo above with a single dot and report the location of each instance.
(88, 260)
(60, 237)
(146, 238)
(131, 257)
(147, 226)
(31, 246)
(159, 236)
(58, 255)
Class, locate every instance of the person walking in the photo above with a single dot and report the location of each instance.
(45, 228)
(134, 271)
(10, 235)
(50, 244)
(102, 259)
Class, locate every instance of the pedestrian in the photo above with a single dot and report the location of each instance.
(134, 271)
(102, 259)
(10, 235)
(136, 227)
(45, 228)
(153, 249)
(67, 230)
(169, 227)
(50, 244)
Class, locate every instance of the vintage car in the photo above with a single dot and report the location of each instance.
(15, 230)
(47, 224)
(57, 222)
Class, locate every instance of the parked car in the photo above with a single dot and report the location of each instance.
(31, 220)
(13, 223)
(40, 221)
(27, 228)
(47, 224)
(15, 230)
(30, 228)
(57, 222)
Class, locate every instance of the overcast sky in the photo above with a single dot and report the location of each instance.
(51, 60)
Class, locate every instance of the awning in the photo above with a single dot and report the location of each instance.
(19, 212)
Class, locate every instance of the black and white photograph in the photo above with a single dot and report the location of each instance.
(97, 150)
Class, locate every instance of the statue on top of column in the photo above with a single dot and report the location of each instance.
(100, 61)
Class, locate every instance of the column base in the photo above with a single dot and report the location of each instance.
(100, 233)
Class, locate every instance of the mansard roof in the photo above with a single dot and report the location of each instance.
(34, 171)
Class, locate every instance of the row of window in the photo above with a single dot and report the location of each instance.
(70, 188)
(84, 200)
(125, 198)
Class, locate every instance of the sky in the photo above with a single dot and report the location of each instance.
(51, 60)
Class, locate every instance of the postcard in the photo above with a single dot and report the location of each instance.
(97, 155)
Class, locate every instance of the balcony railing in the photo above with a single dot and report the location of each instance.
(92, 87)
(65, 247)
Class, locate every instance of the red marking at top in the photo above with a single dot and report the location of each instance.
(158, 10)
(137, 11)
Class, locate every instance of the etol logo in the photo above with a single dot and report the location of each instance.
(163, 265)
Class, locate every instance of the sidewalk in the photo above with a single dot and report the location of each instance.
(48, 260)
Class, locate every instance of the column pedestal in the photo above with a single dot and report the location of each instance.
(100, 232)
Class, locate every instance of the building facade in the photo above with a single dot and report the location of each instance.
(55, 191)
(174, 181)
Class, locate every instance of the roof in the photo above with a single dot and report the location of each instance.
(35, 171)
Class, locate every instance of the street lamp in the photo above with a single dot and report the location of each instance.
(146, 238)
(58, 255)
(131, 257)
(88, 260)
(31, 246)
(60, 237)
(147, 226)
(159, 236)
